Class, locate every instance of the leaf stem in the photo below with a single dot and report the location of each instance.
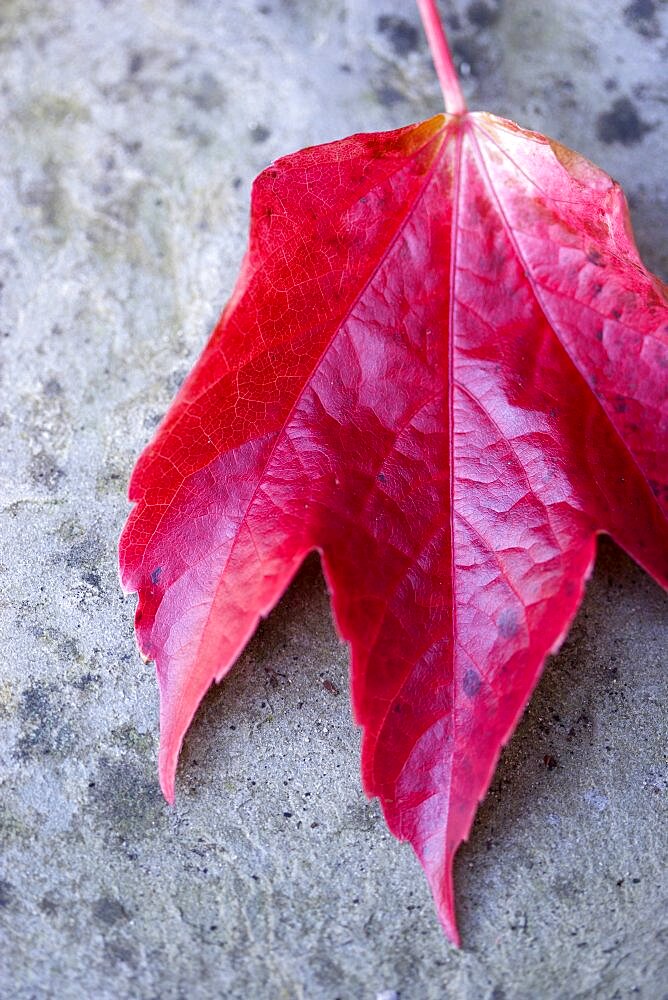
(440, 53)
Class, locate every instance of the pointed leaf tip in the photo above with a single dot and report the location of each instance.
(448, 920)
(167, 763)
(167, 784)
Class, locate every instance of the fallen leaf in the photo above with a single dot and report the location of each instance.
(444, 368)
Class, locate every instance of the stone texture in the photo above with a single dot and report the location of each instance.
(131, 132)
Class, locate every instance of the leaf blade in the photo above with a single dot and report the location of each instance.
(419, 422)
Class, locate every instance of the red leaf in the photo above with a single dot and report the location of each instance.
(444, 368)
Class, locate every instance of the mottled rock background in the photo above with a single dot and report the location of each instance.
(130, 133)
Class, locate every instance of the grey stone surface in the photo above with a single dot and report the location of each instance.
(131, 130)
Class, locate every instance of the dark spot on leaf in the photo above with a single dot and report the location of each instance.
(595, 257)
(471, 683)
(155, 575)
(621, 123)
(508, 623)
(660, 490)
(108, 911)
(616, 314)
(401, 34)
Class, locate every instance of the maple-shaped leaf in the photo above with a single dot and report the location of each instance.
(445, 368)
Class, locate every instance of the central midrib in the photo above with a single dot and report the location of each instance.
(454, 241)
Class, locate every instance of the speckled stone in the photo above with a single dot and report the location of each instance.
(131, 131)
